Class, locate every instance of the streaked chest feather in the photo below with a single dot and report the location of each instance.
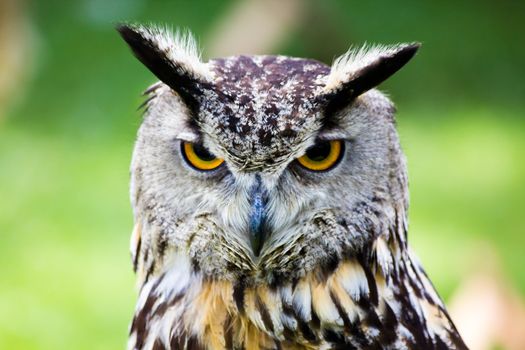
(359, 304)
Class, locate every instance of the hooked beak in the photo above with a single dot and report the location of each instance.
(258, 215)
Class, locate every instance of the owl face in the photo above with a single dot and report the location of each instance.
(263, 167)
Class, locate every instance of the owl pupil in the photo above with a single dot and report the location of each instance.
(203, 153)
(319, 151)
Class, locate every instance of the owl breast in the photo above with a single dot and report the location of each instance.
(359, 304)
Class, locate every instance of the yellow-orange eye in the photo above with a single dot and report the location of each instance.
(199, 157)
(322, 156)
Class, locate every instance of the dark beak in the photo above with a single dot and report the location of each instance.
(258, 215)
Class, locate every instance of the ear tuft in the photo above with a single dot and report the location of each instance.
(362, 69)
(173, 58)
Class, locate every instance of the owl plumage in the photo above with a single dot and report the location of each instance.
(238, 243)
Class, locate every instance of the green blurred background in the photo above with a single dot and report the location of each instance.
(68, 118)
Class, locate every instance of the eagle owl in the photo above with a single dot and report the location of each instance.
(270, 203)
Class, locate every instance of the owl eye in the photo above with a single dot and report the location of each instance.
(322, 156)
(199, 157)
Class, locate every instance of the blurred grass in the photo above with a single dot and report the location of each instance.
(466, 174)
(66, 279)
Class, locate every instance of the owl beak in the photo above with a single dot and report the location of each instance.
(258, 213)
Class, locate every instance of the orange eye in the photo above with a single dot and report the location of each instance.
(322, 156)
(199, 157)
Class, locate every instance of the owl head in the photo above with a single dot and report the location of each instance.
(263, 168)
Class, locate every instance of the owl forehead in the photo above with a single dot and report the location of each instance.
(259, 107)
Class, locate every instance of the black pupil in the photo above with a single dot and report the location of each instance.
(319, 151)
(203, 153)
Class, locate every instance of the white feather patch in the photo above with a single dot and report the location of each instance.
(177, 276)
(383, 256)
(352, 278)
(302, 300)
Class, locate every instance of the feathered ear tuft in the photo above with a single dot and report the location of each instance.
(362, 69)
(173, 58)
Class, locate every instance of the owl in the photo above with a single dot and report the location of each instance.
(270, 203)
